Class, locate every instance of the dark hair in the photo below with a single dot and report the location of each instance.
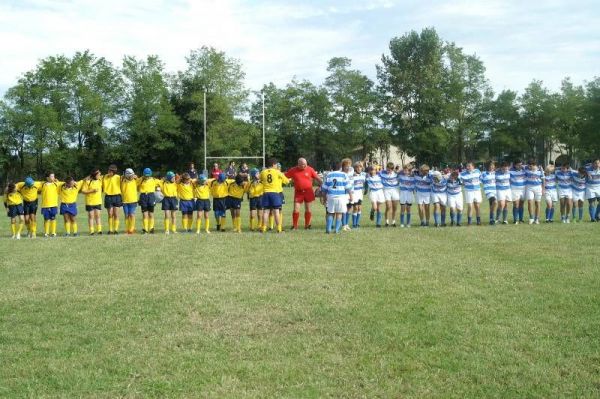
(94, 172)
(516, 161)
(112, 167)
(191, 164)
(11, 188)
(48, 173)
(489, 164)
(566, 165)
(272, 161)
(505, 164)
(582, 171)
(69, 179)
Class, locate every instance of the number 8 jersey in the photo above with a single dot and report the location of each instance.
(273, 180)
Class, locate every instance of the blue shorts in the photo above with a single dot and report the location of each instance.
(68, 209)
(233, 203)
(186, 206)
(147, 202)
(272, 201)
(129, 208)
(202, 205)
(169, 204)
(15, 210)
(219, 204)
(30, 207)
(256, 203)
(282, 198)
(89, 208)
(49, 213)
(113, 201)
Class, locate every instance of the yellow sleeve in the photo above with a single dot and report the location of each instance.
(79, 184)
(284, 179)
(20, 185)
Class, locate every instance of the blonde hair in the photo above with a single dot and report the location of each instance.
(346, 162)
(424, 167)
(550, 169)
(358, 164)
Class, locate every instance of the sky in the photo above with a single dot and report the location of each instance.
(276, 41)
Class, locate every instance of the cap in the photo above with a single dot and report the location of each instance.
(129, 172)
(29, 181)
(147, 172)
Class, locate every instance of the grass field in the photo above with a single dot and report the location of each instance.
(505, 311)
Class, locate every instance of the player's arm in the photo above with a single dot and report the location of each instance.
(284, 179)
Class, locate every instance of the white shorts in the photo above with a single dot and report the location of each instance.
(391, 194)
(406, 197)
(473, 196)
(337, 204)
(377, 196)
(518, 194)
(490, 194)
(439, 198)
(357, 196)
(592, 192)
(565, 193)
(503, 195)
(455, 201)
(551, 196)
(578, 195)
(423, 198)
(533, 193)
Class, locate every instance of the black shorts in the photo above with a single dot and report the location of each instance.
(202, 205)
(233, 203)
(113, 201)
(30, 207)
(15, 210)
(219, 204)
(359, 202)
(256, 203)
(147, 202)
(169, 204)
(89, 208)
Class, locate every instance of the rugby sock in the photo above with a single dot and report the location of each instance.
(152, 223)
(515, 213)
(167, 224)
(174, 227)
(498, 214)
(146, 224)
(402, 218)
(580, 213)
(521, 211)
(20, 228)
(547, 213)
(281, 217)
(408, 218)
(68, 227)
(53, 226)
(478, 219)
(505, 215)
(47, 225)
(184, 223)
(443, 218)
(452, 220)
(271, 222)
(279, 227)
(222, 219)
(198, 225)
(329, 223)
(110, 224)
(491, 216)
(574, 212)
(458, 217)
(308, 217)
(358, 218)
(551, 214)
(354, 220)
(598, 210)
(116, 223)
(338, 225)
(13, 228)
(592, 210)
(295, 217)
(436, 218)
(469, 219)
(74, 227)
(33, 227)
(378, 218)
(207, 224)
(251, 223)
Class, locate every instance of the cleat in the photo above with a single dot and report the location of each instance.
(14, 237)
(67, 235)
(75, 234)
(458, 225)
(505, 222)
(18, 236)
(408, 226)
(92, 233)
(452, 223)
(378, 226)
(516, 222)
(53, 235)
(99, 233)
(308, 227)
(401, 226)
(530, 221)
(167, 232)
(537, 222)
(394, 224)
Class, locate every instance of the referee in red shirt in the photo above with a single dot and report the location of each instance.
(303, 176)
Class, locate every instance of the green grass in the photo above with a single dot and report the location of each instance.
(506, 311)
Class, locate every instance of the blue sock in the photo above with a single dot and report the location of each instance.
(580, 213)
(491, 216)
(469, 219)
(592, 210)
(478, 219)
(547, 213)
(505, 215)
(338, 225)
(551, 214)
(574, 210)
(435, 218)
(402, 218)
(521, 211)
(444, 217)
(358, 219)
(329, 223)
(598, 210)
(354, 220)
(452, 217)
(378, 219)
(408, 217)
(515, 214)
(458, 217)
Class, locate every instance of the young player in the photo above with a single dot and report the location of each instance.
(185, 192)
(49, 193)
(202, 204)
(255, 193)
(391, 193)
(564, 178)
(92, 188)
(219, 190)
(423, 183)
(111, 185)
(358, 187)
(236, 192)
(592, 192)
(455, 198)
(129, 193)
(503, 193)
(578, 186)
(550, 194)
(13, 202)
(517, 188)
(406, 181)
(349, 171)
(534, 181)
(272, 180)
(471, 178)
(439, 198)
(375, 190)
(168, 186)
(68, 205)
(488, 179)
(338, 188)
(29, 190)
(147, 186)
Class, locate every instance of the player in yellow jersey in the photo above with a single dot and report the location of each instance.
(49, 191)
(111, 185)
(68, 204)
(219, 190)
(92, 188)
(202, 204)
(29, 190)
(272, 180)
(255, 193)
(129, 195)
(168, 186)
(147, 186)
(185, 192)
(236, 191)
(13, 202)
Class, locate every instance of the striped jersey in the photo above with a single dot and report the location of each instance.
(564, 178)
(550, 181)
(534, 178)
(439, 186)
(453, 187)
(337, 184)
(471, 180)
(423, 183)
(578, 182)
(488, 179)
(358, 181)
(517, 179)
(502, 180)
(374, 182)
(389, 179)
(406, 181)
(593, 177)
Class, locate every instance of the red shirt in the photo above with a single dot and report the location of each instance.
(303, 178)
(215, 173)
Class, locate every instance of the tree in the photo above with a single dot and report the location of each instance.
(506, 138)
(571, 107)
(539, 121)
(590, 131)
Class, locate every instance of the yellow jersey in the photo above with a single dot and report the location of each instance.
(168, 189)
(236, 191)
(92, 199)
(129, 191)
(256, 189)
(29, 194)
(49, 192)
(219, 190)
(273, 180)
(111, 185)
(202, 191)
(68, 195)
(147, 185)
(13, 198)
(185, 191)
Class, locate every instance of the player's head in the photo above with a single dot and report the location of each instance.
(518, 164)
(371, 171)
(129, 173)
(170, 176)
(239, 179)
(112, 169)
(389, 166)
(549, 169)
(147, 172)
(302, 163)
(254, 174)
(185, 177)
(582, 171)
(11, 188)
(424, 169)
(346, 163)
(49, 176)
(29, 181)
(596, 164)
(358, 167)
(490, 166)
(454, 175)
(565, 166)
(221, 178)
(95, 173)
(406, 167)
(505, 166)
(532, 164)
(69, 181)
(470, 166)
(202, 179)
(272, 162)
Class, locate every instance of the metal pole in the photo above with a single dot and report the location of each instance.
(205, 165)
(263, 128)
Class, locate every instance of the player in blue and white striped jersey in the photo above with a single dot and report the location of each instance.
(439, 198)
(338, 189)
(349, 171)
(593, 190)
(550, 193)
(503, 193)
(534, 181)
(564, 179)
(578, 186)
(358, 187)
(517, 187)
(406, 179)
(454, 198)
(471, 178)
(391, 192)
(488, 179)
(375, 190)
(423, 183)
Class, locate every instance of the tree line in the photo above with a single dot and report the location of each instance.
(430, 99)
